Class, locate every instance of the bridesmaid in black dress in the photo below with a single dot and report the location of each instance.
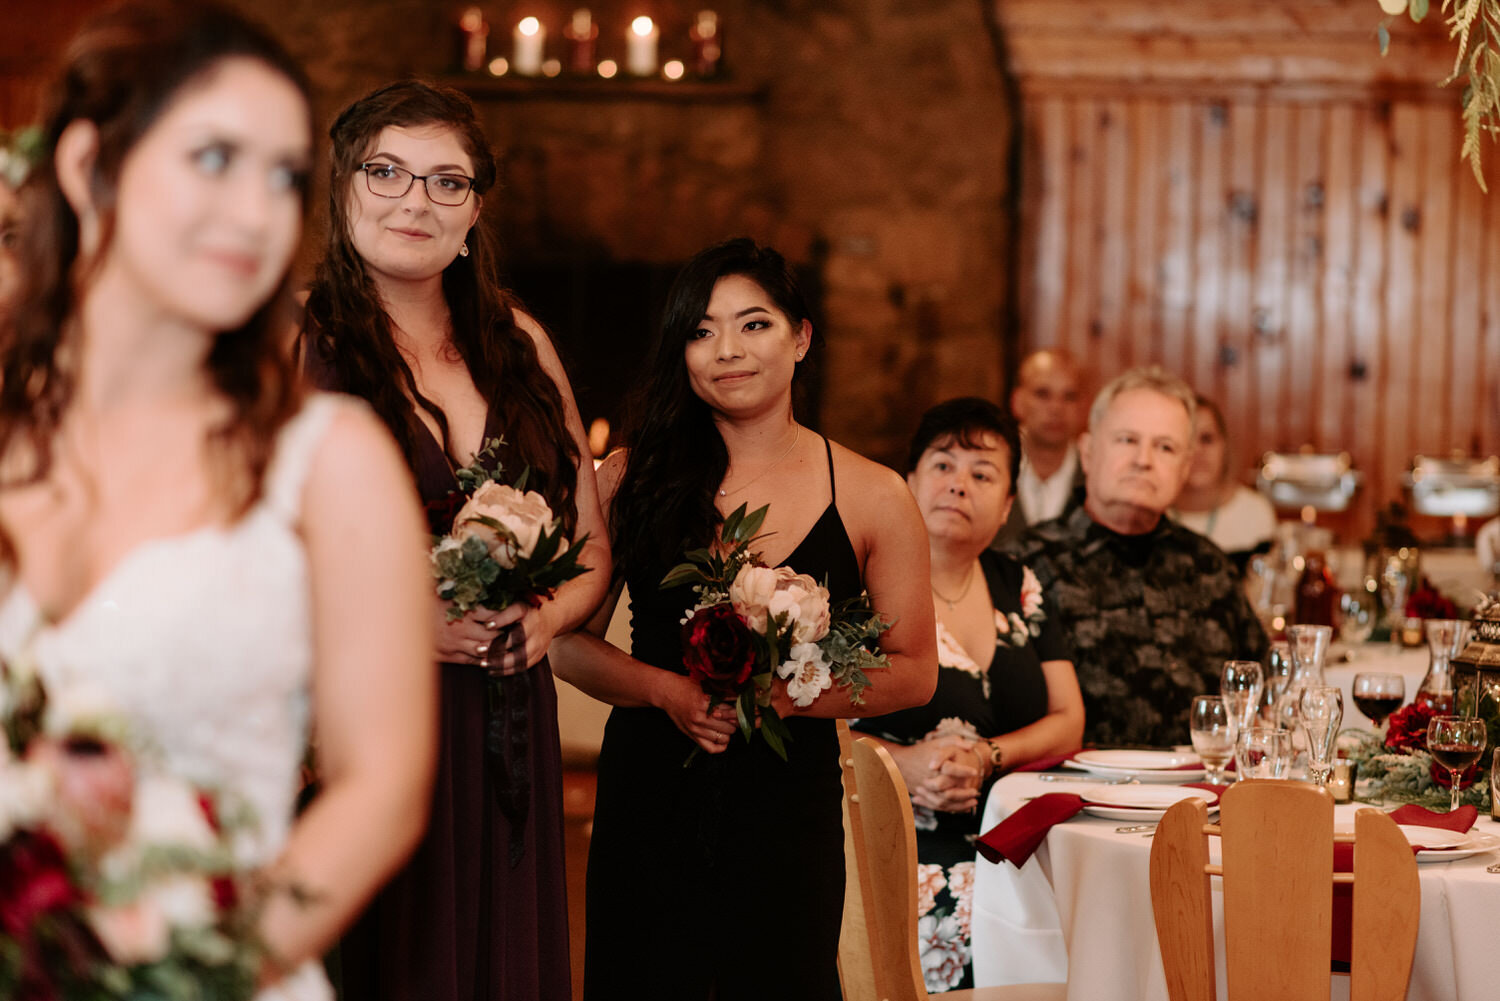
(405, 312)
(725, 879)
(1006, 692)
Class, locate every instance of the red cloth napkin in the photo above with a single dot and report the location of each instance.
(1017, 836)
(1411, 815)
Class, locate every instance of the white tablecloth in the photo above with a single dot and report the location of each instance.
(1100, 922)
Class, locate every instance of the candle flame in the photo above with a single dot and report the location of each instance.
(673, 69)
(607, 68)
(529, 26)
(642, 26)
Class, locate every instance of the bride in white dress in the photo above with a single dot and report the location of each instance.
(232, 562)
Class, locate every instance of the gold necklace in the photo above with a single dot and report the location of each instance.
(797, 434)
(968, 581)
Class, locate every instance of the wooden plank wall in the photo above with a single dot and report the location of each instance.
(1250, 195)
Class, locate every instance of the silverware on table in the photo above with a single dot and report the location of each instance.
(1135, 829)
(1054, 777)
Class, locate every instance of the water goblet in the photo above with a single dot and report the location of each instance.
(1212, 729)
(1455, 743)
(1378, 694)
(1321, 710)
(1357, 610)
(1261, 752)
(1240, 687)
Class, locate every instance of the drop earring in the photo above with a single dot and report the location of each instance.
(463, 249)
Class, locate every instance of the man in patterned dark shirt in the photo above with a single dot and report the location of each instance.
(1152, 609)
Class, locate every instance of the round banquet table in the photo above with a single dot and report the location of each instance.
(1080, 911)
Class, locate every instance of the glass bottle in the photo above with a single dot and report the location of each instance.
(1445, 638)
(1317, 601)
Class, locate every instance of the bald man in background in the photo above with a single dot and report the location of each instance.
(1049, 404)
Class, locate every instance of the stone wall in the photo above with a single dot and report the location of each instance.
(872, 152)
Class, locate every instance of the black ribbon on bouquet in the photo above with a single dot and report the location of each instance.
(507, 745)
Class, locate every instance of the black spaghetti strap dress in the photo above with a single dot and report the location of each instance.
(723, 879)
(479, 912)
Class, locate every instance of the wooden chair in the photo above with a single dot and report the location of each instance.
(878, 958)
(1277, 842)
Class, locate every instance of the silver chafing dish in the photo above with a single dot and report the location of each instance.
(1448, 488)
(1324, 482)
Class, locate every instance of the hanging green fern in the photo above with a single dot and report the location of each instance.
(1476, 25)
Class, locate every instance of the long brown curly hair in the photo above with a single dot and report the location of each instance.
(121, 73)
(347, 333)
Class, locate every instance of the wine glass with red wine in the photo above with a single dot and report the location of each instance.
(1377, 695)
(1455, 743)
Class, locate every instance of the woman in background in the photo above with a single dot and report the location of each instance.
(406, 312)
(177, 531)
(1006, 692)
(725, 879)
(1233, 517)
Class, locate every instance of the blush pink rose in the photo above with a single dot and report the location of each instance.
(1031, 593)
(524, 515)
(761, 594)
(93, 789)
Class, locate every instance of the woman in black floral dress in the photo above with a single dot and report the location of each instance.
(1006, 691)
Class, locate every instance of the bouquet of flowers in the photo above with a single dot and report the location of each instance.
(116, 881)
(505, 544)
(753, 623)
(1427, 602)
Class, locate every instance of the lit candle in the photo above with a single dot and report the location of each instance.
(673, 69)
(640, 47)
(583, 36)
(530, 39)
(475, 32)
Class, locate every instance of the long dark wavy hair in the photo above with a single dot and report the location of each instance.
(346, 330)
(677, 459)
(121, 73)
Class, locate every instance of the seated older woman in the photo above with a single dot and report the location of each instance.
(1232, 516)
(1006, 692)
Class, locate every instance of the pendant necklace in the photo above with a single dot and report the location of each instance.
(797, 434)
(951, 602)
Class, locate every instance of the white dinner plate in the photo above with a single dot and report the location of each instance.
(1143, 766)
(1139, 802)
(1439, 844)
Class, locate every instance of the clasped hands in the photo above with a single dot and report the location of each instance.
(944, 773)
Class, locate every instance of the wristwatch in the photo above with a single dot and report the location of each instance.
(997, 757)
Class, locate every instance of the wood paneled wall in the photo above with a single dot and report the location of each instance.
(1250, 195)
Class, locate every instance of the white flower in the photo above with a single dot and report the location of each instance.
(82, 707)
(944, 954)
(760, 594)
(953, 726)
(26, 791)
(132, 933)
(808, 674)
(1031, 593)
(168, 812)
(925, 817)
(523, 516)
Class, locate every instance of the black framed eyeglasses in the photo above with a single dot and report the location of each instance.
(390, 181)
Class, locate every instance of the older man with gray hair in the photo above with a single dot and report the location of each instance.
(1152, 609)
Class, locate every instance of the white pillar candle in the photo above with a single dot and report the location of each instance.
(640, 47)
(529, 41)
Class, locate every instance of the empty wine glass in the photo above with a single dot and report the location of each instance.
(1357, 609)
(1321, 710)
(1277, 675)
(1378, 694)
(1212, 728)
(1261, 752)
(1240, 686)
(1455, 743)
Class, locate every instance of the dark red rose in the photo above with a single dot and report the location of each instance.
(1407, 729)
(1427, 602)
(33, 882)
(719, 650)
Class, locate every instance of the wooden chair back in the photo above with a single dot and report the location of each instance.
(878, 958)
(1277, 843)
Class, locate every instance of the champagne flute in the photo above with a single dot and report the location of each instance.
(1321, 710)
(1378, 694)
(1240, 688)
(1455, 742)
(1212, 729)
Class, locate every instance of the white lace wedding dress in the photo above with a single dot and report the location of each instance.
(204, 641)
